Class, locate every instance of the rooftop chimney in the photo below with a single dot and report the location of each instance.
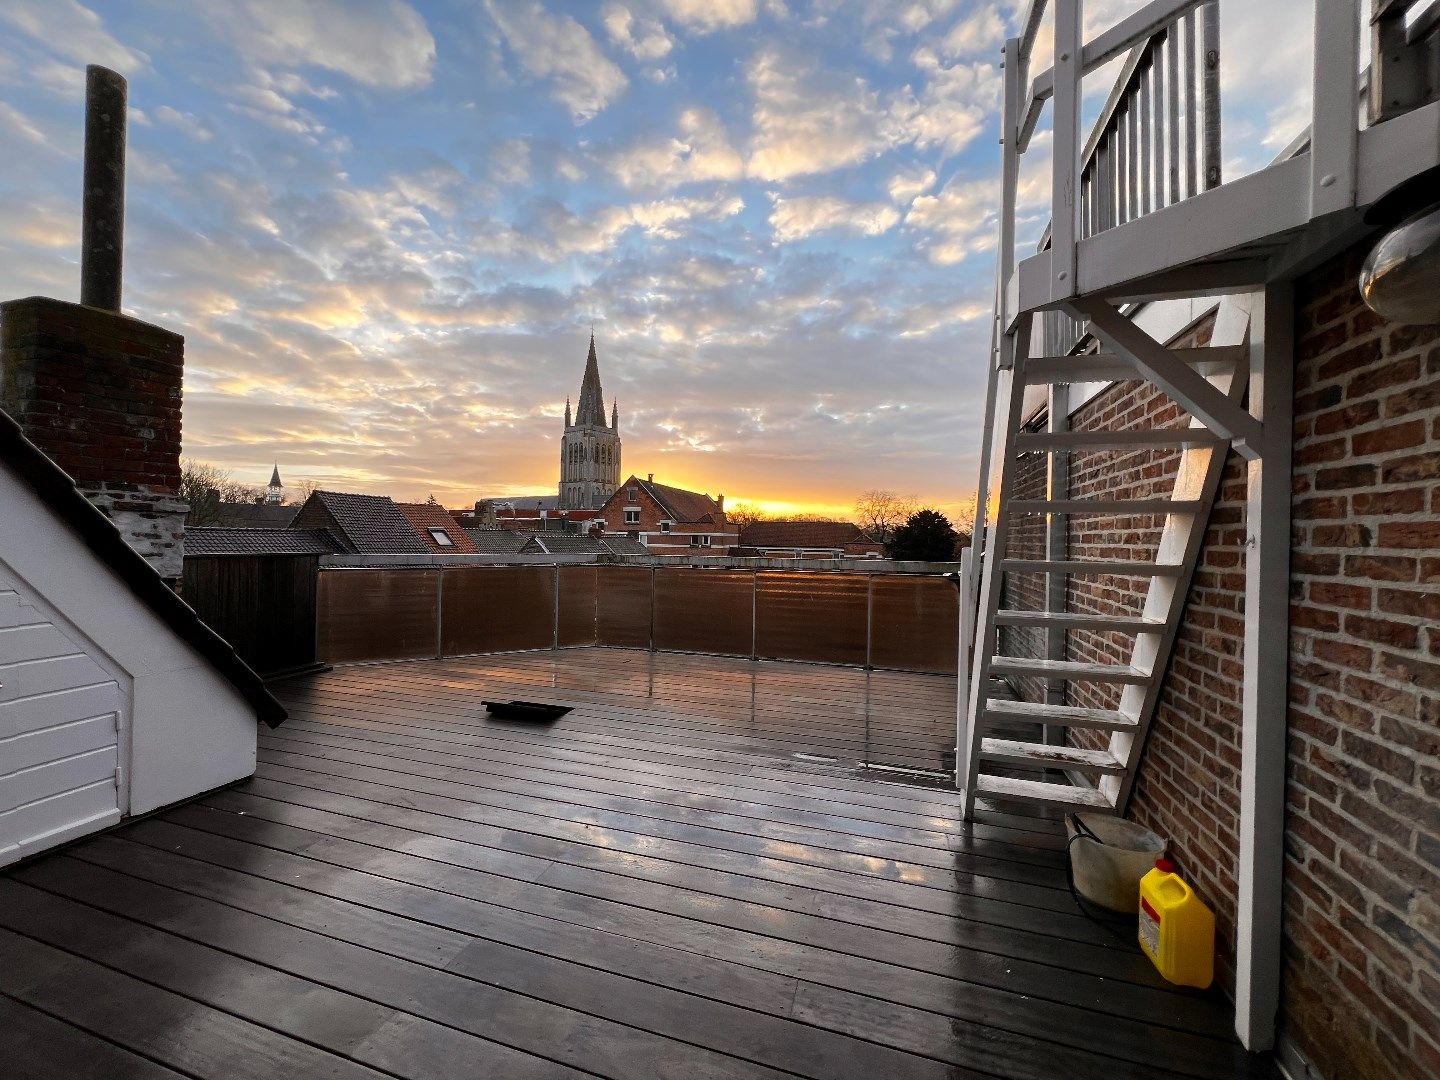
(650, 478)
(97, 391)
(720, 501)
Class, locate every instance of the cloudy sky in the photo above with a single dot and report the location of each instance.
(386, 227)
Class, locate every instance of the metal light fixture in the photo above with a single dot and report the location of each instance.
(1400, 280)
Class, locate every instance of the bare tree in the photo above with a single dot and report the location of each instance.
(300, 493)
(745, 514)
(205, 487)
(878, 511)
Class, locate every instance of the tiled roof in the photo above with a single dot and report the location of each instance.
(252, 516)
(371, 524)
(563, 544)
(498, 541)
(802, 534)
(426, 516)
(623, 545)
(211, 541)
(680, 504)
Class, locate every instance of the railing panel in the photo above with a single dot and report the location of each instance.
(816, 617)
(707, 611)
(377, 615)
(498, 609)
(263, 605)
(623, 607)
(915, 624)
(575, 614)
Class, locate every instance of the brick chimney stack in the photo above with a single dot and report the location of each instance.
(98, 391)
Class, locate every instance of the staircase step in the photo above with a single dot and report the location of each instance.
(1044, 756)
(1115, 440)
(1112, 367)
(1070, 620)
(1067, 669)
(1119, 568)
(998, 711)
(1007, 788)
(1105, 506)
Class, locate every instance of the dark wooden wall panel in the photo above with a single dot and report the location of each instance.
(810, 616)
(579, 590)
(704, 610)
(622, 618)
(498, 609)
(377, 615)
(264, 606)
(915, 624)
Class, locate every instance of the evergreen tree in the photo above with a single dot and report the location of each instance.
(926, 536)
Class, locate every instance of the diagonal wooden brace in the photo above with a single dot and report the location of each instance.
(1191, 390)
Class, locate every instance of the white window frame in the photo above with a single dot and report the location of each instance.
(632, 515)
(440, 536)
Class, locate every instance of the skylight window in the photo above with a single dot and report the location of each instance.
(440, 536)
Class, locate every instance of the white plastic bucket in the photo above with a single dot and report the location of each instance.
(1107, 869)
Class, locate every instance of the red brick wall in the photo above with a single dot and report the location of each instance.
(98, 392)
(1361, 995)
(1362, 976)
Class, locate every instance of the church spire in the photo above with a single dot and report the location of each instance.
(591, 410)
(567, 412)
(614, 415)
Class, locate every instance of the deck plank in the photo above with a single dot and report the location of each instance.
(688, 875)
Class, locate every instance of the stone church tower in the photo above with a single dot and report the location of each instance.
(590, 448)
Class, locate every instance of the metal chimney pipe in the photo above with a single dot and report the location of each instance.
(103, 214)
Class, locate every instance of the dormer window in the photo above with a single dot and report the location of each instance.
(440, 536)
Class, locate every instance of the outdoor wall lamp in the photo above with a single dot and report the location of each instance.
(1400, 280)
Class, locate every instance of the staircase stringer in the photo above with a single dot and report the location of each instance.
(1198, 479)
(1011, 395)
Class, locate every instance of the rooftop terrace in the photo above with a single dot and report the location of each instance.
(658, 884)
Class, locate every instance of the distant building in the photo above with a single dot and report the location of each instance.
(808, 540)
(261, 515)
(669, 520)
(590, 448)
(437, 528)
(362, 524)
(567, 544)
(275, 490)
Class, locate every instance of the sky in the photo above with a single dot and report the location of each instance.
(386, 228)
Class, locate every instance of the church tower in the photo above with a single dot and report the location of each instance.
(590, 447)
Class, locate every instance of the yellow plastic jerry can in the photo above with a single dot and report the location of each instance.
(1177, 930)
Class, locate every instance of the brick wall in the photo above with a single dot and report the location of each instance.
(1362, 896)
(1361, 994)
(100, 393)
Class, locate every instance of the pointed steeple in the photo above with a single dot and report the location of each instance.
(591, 410)
(614, 415)
(567, 412)
(275, 477)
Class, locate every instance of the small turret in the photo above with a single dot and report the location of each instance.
(275, 490)
(567, 413)
(614, 415)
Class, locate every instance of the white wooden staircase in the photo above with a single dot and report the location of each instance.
(1095, 779)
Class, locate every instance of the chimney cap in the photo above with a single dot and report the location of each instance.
(650, 478)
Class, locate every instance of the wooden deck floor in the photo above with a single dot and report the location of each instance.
(653, 886)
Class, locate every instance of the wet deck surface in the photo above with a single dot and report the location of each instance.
(652, 886)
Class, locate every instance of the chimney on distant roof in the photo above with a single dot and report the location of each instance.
(650, 478)
(720, 501)
(97, 391)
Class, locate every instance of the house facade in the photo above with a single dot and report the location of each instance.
(669, 520)
(808, 540)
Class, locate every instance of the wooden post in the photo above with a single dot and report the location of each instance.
(1264, 695)
(1334, 123)
(102, 229)
(1065, 167)
(1057, 483)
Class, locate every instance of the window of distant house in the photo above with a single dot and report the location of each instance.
(704, 541)
(632, 517)
(630, 494)
(441, 537)
(664, 526)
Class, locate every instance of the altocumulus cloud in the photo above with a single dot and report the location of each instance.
(384, 228)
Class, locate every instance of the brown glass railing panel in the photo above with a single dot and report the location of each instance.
(579, 592)
(376, 615)
(498, 609)
(706, 611)
(914, 624)
(809, 616)
(622, 610)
